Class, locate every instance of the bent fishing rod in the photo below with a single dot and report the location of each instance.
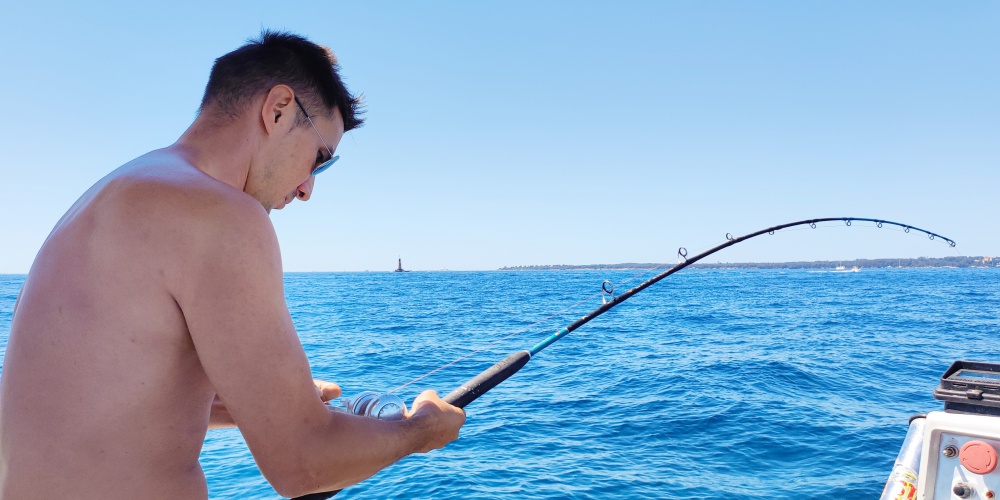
(391, 407)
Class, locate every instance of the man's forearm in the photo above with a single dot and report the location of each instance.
(349, 449)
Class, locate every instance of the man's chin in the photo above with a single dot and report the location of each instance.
(277, 206)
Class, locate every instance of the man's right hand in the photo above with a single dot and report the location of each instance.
(443, 420)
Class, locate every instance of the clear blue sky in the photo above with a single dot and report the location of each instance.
(524, 132)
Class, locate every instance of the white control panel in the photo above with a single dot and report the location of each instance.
(959, 457)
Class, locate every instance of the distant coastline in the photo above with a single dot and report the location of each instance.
(919, 262)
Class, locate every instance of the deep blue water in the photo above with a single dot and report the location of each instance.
(749, 384)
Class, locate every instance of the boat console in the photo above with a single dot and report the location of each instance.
(958, 447)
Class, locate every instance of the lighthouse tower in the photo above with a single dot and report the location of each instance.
(399, 268)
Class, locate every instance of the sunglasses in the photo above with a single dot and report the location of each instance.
(333, 159)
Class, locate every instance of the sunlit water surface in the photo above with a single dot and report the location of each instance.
(711, 384)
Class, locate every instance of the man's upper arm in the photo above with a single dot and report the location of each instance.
(233, 303)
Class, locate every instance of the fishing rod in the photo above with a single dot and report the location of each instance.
(391, 407)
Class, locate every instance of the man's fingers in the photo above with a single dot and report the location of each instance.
(446, 419)
(326, 390)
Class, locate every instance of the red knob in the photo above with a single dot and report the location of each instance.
(978, 456)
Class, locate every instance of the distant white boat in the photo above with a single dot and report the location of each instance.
(842, 269)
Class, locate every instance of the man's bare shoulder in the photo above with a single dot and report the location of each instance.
(164, 182)
(176, 214)
(162, 197)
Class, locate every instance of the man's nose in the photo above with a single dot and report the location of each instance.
(304, 191)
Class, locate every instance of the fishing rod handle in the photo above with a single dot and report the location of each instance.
(488, 379)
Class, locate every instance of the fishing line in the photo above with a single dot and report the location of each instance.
(370, 404)
(603, 294)
(565, 310)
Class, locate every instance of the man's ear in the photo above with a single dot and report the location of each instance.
(278, 111)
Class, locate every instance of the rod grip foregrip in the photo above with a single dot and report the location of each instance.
(488, 379)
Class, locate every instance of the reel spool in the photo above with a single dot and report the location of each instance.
(374, 405)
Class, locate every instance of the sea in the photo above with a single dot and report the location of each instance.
(761, 384)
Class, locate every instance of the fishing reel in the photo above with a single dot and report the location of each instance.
(374, 405)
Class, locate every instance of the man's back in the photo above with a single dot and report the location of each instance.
(156, 309)
(103, 395)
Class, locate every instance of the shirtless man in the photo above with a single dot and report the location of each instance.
(155, 310)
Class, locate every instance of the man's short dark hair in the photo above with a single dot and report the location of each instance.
(276, 58)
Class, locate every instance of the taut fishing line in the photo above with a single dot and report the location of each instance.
(390, 407)
(517, 332)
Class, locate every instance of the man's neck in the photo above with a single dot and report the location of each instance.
(221, 151)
